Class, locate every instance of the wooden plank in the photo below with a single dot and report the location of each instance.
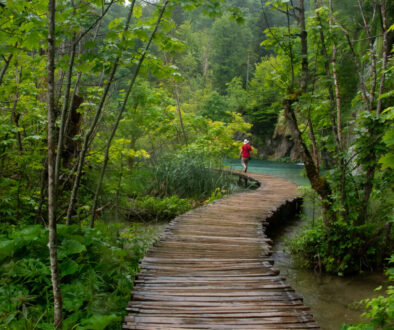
(215, 310)
(229, 321)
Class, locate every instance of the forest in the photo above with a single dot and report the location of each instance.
(117, 116)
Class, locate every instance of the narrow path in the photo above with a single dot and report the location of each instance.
(211, 269)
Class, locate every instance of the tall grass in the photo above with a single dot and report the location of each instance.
(189, 174)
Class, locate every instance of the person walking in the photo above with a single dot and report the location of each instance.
(244, 154)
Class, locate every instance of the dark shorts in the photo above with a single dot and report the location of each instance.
(245, 160)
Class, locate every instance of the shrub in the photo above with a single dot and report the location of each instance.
(155, 208)
(335, 249)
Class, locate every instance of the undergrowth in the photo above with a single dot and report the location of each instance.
(147, 208)
(342, 247)
(96, 269)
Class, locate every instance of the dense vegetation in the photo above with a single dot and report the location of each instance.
(117, 111)
(336, 92)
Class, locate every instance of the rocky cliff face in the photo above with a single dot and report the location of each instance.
(280, 145)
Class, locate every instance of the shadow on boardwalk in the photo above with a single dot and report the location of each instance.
(211, 269)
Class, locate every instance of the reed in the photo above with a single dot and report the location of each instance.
(190, 175)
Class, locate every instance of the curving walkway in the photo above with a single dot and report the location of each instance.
(211, 269)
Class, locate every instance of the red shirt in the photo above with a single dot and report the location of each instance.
(246, 150)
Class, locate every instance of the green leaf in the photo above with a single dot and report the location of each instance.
(68, 267)
(28, 234)
(71, 246)
(387, 161)
(115, 23)
(7, 248)
(74, 295)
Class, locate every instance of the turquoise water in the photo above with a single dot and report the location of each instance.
(290, 171)
(331, 298)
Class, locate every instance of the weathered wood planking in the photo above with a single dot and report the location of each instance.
(211, 269)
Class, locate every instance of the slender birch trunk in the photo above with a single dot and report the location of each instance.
(52, 244)
(123, 107)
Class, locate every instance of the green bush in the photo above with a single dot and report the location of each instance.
(336, 249)
(95, 268)
(155, 208)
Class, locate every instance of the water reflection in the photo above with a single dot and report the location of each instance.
(331, 298)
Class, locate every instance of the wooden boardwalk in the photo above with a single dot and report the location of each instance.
(211, 269)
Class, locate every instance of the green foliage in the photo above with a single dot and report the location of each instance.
(217, 194)
(229, 51)
(379, 310)
(387, 160)
(265, 95)
(216, 108)
(96, 269)
(159, 209)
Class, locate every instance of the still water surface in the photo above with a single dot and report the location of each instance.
(331, 298)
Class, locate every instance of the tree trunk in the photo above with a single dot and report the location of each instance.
(15, 116)
(337, 96)
(5, 67)
(52, 244)
(123, 107)
(318, 183)
(86, 141)
(72, 129)
(65, 107)
(315, 152)
(304, 47)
